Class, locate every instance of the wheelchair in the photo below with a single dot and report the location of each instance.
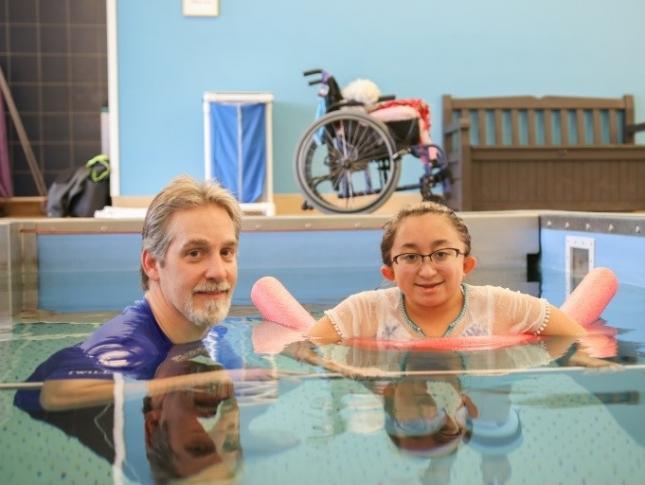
(348, 160)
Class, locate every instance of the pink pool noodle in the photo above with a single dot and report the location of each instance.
(271, 337)
(276, 304)
(585, 305)
(588, 300)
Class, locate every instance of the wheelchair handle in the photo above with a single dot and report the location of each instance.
(316, 81)
(312, 71)
(387, 97)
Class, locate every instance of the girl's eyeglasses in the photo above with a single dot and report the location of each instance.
(443, 256)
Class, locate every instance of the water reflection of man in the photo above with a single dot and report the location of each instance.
(192, 432)
(188, 426)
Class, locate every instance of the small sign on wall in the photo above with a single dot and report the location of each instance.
(578, 259)
(200, 8)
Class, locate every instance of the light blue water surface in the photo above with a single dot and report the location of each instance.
(539, 422)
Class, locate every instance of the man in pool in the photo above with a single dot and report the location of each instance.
(188, 272)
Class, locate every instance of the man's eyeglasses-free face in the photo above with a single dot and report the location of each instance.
(440, 257)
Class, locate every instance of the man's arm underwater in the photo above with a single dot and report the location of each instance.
(64, 394)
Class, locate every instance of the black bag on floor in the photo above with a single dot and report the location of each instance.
(78, 192)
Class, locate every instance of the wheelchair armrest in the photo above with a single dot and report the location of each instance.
(344, 103)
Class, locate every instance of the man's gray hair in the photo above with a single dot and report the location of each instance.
(182, 193)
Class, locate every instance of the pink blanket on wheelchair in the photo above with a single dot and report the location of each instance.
(421, 107)
(405, 109)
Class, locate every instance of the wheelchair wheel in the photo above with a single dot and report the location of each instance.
(345, 163)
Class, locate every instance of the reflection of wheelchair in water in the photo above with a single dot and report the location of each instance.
(348, 160)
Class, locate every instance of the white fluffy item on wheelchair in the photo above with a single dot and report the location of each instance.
(362, 91)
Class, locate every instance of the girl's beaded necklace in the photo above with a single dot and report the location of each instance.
(419, 331)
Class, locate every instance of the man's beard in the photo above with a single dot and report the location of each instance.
(213, 311)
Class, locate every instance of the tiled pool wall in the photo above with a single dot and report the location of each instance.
(92, 265)
(18, 271)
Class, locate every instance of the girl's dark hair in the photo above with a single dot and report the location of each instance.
(391, 227)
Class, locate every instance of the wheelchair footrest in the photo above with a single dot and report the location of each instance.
(408, 187)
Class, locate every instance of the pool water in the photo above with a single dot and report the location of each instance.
(531, 414)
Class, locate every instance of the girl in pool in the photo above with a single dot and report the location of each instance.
(426, 254)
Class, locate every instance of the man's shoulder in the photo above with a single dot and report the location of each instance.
(135, 328)
(131, 342)
(134, 319)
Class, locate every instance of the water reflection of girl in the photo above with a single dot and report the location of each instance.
(428, 418)
(496, 433)
(428, 411)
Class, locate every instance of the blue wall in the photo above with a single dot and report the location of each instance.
(620, 253)
(100, 272)
(414, 48)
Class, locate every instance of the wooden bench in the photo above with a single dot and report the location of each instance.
(553, 152)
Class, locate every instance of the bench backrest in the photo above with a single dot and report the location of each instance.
(545, 121)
